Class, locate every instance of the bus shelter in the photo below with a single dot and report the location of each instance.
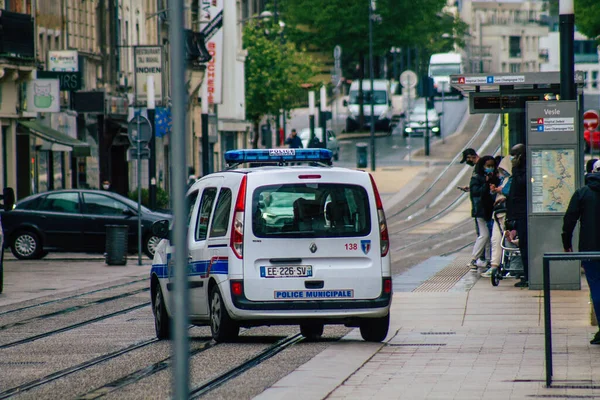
(533, 114)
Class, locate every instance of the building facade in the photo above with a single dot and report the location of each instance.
(504, 36)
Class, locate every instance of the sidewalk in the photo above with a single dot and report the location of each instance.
(462, 341)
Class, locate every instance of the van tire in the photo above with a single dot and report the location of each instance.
(376, 329)
(222, 327)
(162, 322)
(312, 331)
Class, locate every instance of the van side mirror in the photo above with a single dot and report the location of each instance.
(8, 197)
(345, 103)
(161, 229)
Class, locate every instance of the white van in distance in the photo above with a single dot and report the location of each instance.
(272, 244)
(441, 66)
(382, 105)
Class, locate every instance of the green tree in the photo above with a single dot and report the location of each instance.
(586, 18)
(275, 71)
(322, 25)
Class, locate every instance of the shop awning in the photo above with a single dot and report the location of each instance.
(79, 148)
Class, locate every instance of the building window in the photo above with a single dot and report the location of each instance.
(515, 67)
(595, 79)
(514, 48)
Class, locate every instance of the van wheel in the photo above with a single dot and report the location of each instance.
(162, 322)
(222, 327)
(312, 331)
(376, 329)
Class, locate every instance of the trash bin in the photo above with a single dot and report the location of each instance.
(361, 155)
(116, 244)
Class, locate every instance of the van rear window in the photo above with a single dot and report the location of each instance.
(310, 211)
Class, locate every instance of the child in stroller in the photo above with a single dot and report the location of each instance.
(511, 263)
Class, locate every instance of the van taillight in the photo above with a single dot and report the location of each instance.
(237, 288)
(384, 238)
(237, 229)
(387, 285)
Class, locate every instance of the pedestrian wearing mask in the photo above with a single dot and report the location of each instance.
(516, 205)
(499, 214)
(469, 157)
(584, 207)
(482, 203)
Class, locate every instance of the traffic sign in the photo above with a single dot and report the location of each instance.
(145, 134)
(408, 79)
(590, 120)
(337, 52)
(144, 153)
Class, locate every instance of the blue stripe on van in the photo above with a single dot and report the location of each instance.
(218, 265)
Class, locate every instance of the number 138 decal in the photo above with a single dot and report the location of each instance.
(351, 246)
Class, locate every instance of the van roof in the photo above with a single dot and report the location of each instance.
(301, 168)
(445, 58)
(379, 84)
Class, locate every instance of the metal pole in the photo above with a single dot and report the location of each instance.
(205, 137)
(408, 123)
(152, 161)
(426, 126)
(480, 45)
(395, 66)
(322, 119)
(443, 122)
(547, 322)
(567, 62)
(178, 136)
(371, 73)
(311, 116)
(139, 190)
(284, 129)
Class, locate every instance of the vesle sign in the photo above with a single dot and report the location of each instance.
(69, 81)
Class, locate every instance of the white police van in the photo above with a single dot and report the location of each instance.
(273, 244)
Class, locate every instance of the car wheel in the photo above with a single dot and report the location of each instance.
(312, 331)
(222, 327)
(376, 329)
(162, 322)
(26, 245)
(150, 245)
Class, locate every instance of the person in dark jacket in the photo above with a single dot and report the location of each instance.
(482, 204)
(516, 205)
(589, 168)
(294, 140)
(585, 208)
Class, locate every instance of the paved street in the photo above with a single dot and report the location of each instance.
(390, 150)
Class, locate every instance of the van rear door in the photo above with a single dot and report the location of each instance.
(311, 235)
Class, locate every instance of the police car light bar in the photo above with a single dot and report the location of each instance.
(278, 155)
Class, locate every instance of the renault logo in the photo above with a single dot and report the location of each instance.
(313, 248)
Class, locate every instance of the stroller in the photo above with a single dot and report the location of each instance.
(511, 264)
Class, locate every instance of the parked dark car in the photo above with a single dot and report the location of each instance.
(74, 220)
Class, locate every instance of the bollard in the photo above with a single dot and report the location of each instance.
(116, 244)
(361, 155)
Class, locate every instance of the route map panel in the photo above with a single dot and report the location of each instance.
(553, 180)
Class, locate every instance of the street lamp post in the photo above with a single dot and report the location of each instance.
(372, 6)
(567, 66)
(311, 116)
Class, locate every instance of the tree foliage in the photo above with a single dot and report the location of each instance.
(322, 25)
(586, 18)
(275, 71)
